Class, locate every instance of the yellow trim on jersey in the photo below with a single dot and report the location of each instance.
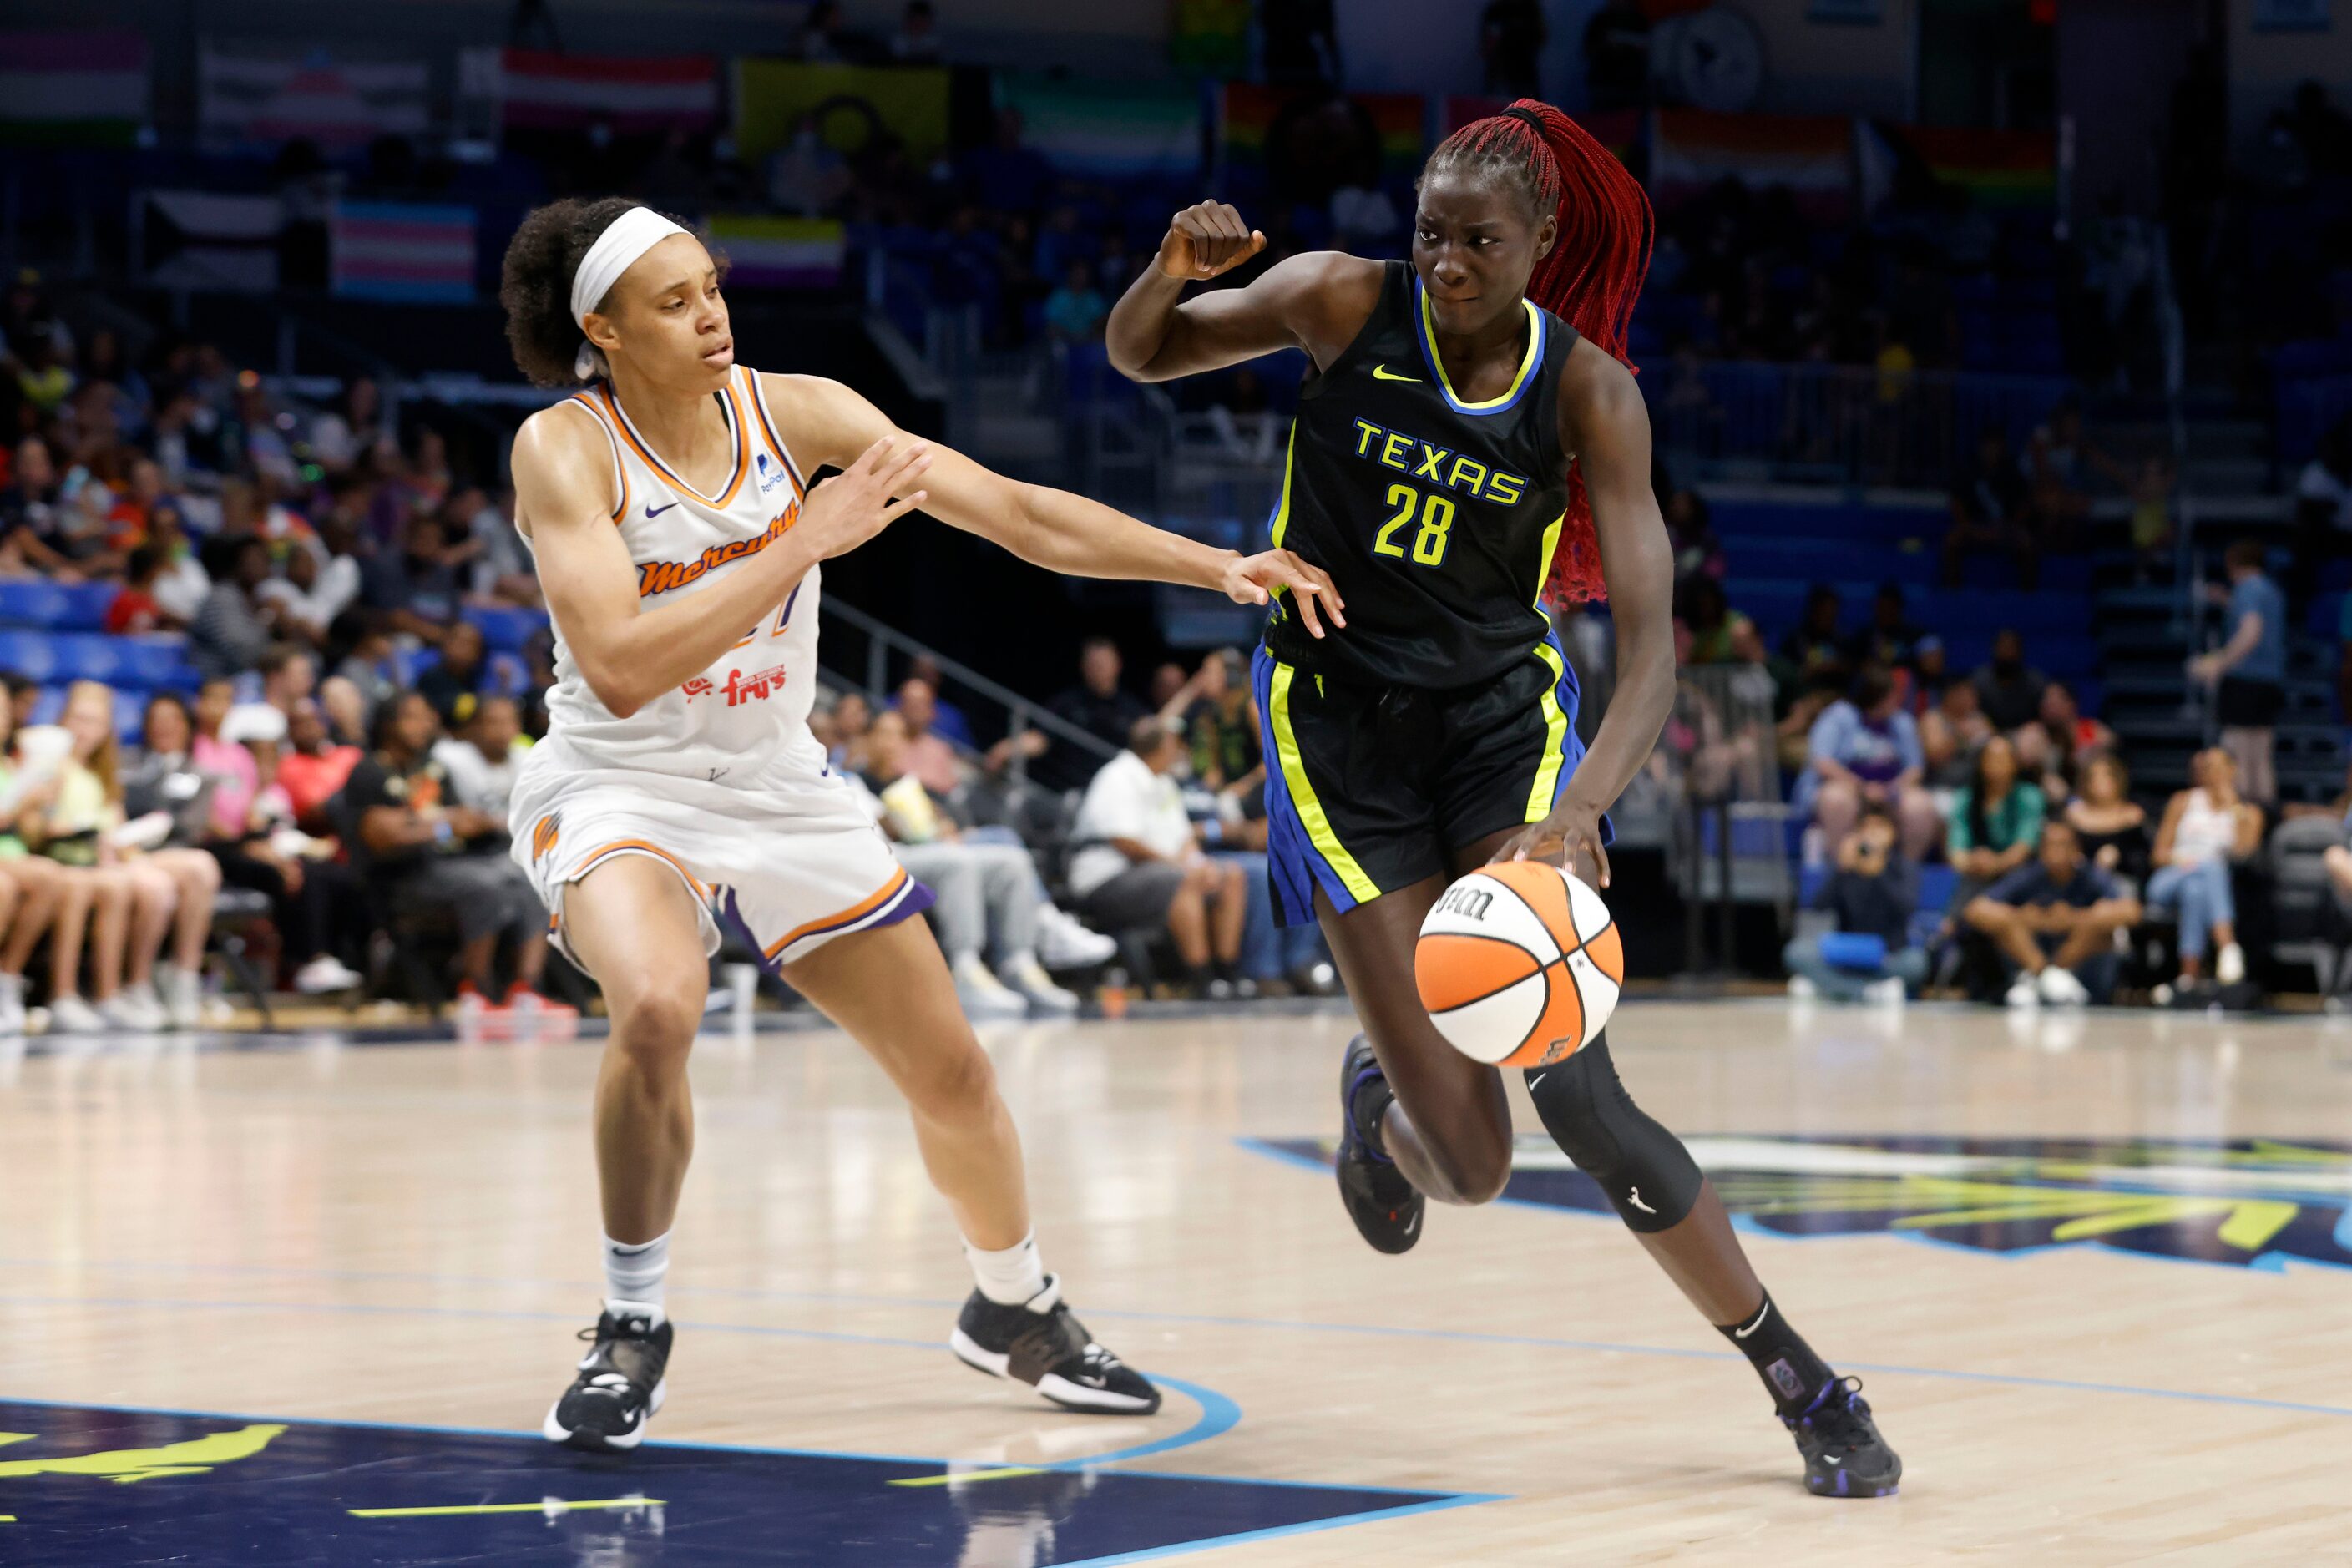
(1282, 509)
(1550, 548)
(1527, 365)
(1546, 783)
(1302, 794)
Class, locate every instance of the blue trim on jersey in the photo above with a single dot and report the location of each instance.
(1530, 373)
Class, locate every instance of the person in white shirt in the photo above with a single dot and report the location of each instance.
(321, 582)
(1141, 862)
(481, 761)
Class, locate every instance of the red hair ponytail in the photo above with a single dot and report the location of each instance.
(1592, 276)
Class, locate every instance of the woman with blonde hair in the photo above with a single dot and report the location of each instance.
(169, 890)
(32, 889)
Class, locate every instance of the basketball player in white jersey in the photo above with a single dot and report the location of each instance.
(680, 790)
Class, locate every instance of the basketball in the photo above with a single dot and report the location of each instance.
(1519, 965)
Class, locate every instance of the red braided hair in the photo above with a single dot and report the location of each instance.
(1592, 276)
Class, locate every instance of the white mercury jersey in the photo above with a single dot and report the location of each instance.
(750, 710)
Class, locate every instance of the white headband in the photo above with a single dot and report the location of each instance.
(624, 240)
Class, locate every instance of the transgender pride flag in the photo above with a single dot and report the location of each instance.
(395, 250)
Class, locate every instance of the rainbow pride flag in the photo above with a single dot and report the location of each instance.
(1999, 168)
(1812, 154)
(1247, 113)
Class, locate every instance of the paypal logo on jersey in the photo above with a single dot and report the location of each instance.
(771, 474)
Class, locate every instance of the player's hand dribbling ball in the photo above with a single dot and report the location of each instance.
(1519, 965)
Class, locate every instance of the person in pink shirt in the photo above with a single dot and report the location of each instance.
(226, 762)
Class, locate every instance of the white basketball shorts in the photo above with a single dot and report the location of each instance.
(787, 858)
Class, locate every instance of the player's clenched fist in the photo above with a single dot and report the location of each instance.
(1207, 238)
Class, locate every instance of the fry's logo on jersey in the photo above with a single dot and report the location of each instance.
(1436, 465)
(661, 576)
(739, 688)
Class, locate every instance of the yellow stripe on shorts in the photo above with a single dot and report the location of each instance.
(1302, 795)
(1546, 783)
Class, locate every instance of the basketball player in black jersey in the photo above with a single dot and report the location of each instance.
(1469, 443)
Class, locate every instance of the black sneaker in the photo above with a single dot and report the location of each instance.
(1043, 1345)
(1844, 1454)
(1386, 1208)
(620, 1383)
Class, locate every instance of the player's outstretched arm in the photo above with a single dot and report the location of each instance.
(1317, 301)
(1605, 427)
(1050, 528)
(629, 656)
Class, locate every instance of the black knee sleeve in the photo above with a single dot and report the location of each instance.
(1644, 1170)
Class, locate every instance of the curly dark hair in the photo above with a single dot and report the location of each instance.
(535, 281)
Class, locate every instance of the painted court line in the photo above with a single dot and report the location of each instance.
(547, 1506)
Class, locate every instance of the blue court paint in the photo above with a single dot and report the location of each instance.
(96, 1485)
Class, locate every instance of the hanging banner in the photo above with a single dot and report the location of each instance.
(542, 91)
(850, 103)
(254, 102)
(780, 252)
(2292, 16)
(60, 88)
(1107, 129)
(1691, 149)
(400, 250)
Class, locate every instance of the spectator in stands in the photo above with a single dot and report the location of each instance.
(1511, 37)
(2248, 672)
(1812, 656)
(1992, 511)
(180, 590)
(924, 753)
(427, 855)
(2206, 827)
(1690, 533)
(988, 895)
(1871, 893)
(134, 611)
(29, 506)
(32, 888)
(1709, 631)
(917, 41)
(2060, 460)
(2062, 737)
(2151, 517)
(823, 36)
(313, 768)
(2322, 505)
(853, 719)
(1890, 641)
(454, 684)
(1864, 752)
(481, 758)
(948, 721)
(2111, 826)
(315, 591)
(1075, 309)
(1617, 55)
(1996, 820)
(368, 676)
(23, 697)
(1218, 718)
(2008, 690)
(2055, 919)
(415, 589)
(231, 628)
(1097, 705)
(1139, 865)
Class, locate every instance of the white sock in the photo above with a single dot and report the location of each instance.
(1011, 1276)
(633, 1270)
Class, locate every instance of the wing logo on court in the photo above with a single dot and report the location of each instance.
(123, 1466)
(2243, 1202)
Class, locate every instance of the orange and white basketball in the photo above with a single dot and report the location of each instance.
(1519, 965)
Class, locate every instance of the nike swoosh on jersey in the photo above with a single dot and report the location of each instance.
(1382, 373)
(652, 511)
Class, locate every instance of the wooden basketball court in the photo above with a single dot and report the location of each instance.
(2093, 1271)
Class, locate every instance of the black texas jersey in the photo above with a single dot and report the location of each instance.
(1436, 518)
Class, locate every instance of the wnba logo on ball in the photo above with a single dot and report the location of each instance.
(1466, 901)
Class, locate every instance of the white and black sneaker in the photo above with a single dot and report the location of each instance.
(620, 1384)
(1043, 1345)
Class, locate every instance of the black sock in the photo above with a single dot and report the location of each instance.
(1792, 1373)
